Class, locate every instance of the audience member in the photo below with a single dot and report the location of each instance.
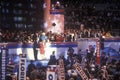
(30, 68)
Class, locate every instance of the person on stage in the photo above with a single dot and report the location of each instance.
(35, 48)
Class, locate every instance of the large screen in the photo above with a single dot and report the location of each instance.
(110, 47)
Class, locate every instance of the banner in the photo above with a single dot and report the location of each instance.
(98, 52)
(3, 63)
(61, 70)
(0, 62)
(80, 71)
(22, 67)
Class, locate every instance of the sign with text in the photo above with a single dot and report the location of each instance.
(98, 52)
(61, 70)
(22, 67)
(3, 53)
(80, 71)
(51, 72)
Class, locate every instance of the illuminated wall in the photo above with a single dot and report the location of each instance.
(51, 19)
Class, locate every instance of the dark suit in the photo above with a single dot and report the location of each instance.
(35, 46)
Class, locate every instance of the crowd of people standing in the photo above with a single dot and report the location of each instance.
(106, 70)
(69, 35)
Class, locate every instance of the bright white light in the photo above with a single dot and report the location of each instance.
(58, 2)
(48, 44)
(44, 5)
(45, 24)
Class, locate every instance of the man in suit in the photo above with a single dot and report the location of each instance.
(35, 48)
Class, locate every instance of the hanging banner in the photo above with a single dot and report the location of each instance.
(61, 70)
(98, 52)
(80, 71)
(3, 63)
(22, 67)
(0, 62)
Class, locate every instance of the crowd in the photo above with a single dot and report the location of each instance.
(70, 35)
(94, 15)
(92, 23)
(108, 69)
(97, 18)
